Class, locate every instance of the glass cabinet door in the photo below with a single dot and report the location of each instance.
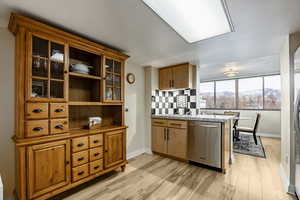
(47, 69)
(113, 80)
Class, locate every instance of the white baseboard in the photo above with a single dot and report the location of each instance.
(284, 178)
(272, 135)
(138, 152)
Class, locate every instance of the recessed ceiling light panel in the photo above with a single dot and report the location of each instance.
(194, 20)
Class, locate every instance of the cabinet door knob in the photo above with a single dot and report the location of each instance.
(38, 110)
(80, 145)
(106, 151)
(80, 159)
(58, 110)
(37, 128)
(68, 162)
(96, 167)
(96, 141)
(96, 154)
(80, 173)
(59, 126)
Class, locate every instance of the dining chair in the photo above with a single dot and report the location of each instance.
(252, 130)
(235, 122)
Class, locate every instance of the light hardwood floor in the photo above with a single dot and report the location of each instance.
(156, 178)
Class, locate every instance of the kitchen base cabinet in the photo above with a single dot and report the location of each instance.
(48, 167)
(169, 137)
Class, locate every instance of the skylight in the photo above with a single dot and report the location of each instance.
(194, 20)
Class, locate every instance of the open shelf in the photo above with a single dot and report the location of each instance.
(84, 75)
(84, 90)
(79, 115)
(84, 103)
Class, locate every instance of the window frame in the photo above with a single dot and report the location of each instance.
(237, 93)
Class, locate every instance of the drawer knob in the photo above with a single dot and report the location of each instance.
(37, 110)
(80, 159)
(96, 154)
(68, 162)
(80, 145)
(96, 141)
(58, 110)
(59, 126)
(37, 129)
(96, 167)
(80, 173)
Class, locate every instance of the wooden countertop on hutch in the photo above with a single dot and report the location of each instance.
(71, 134)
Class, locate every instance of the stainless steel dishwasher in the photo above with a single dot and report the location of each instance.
(204, 143)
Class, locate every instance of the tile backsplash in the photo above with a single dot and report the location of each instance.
(174, 102)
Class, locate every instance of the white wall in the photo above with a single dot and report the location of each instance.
(135, 117)
(269, 124)
(7, 90)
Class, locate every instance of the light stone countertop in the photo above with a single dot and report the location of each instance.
(207, 118)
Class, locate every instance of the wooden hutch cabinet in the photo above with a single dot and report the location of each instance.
(61, 81)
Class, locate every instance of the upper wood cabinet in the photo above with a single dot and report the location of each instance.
(115, 148)
(48, 167)
(47, 69)
(113, 80)
(177, 76)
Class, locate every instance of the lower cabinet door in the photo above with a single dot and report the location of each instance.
(159, 142)
(115, 148)
(177, 142)
(48, 167)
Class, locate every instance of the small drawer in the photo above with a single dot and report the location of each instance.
(159, 122)
(80, 158)
(96, 140)
(58, 126)
(58, 110)
(80, 172)
(96, 166)
(80, 144)
(96, 153)
(177, 124)
(36, 128)
(36, 110)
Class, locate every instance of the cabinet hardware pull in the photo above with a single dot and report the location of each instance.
(168, 131)
(96, 154)
(164, 133)
(68, 162)
(80, 145)
(208, 126)
(175, 124)
(59, 126)
(80, 173)
(37, 110)
(172, 83)
(37, 129)
(58, 110)
(80, 159)
(96, 167)
(65, 71)
(106, 151)
(96, 141)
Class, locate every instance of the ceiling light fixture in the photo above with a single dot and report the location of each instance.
(194, 20)
(231, 73)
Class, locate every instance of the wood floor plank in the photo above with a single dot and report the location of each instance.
(152, 177)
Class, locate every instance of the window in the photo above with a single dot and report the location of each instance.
(272, 93)
(245, 93)
(225, 94)
(251, 93)
(207, 95)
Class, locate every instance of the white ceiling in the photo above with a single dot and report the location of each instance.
(129, 25)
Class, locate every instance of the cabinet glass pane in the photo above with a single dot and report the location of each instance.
(57, 52)
(39, 47)
(117, 67)
(39, 88)
(117, 80)
(39, 67)
(108, 93)
(117, 93)
(109, 65)
(57, 89)
(109, 79)
(57, 70)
